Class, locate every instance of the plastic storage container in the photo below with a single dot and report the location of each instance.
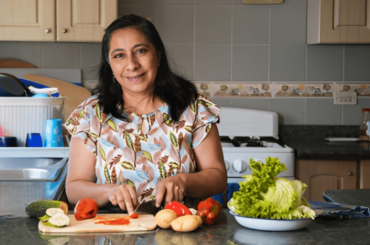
(22, 115)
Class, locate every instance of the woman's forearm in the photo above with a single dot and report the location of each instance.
(78, 189)
(205, 183)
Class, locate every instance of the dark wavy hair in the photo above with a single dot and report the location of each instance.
(174, 90)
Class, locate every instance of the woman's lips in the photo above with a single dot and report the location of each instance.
(135, 78)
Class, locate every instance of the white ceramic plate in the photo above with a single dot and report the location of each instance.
(342, 139)
(272, 224)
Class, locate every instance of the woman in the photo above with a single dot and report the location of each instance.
(146, 132)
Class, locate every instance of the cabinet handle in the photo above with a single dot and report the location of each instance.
(48, 30)
(350, 173)
(65, 30)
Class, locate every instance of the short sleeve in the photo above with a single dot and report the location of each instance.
(207, 113)
(84, 122)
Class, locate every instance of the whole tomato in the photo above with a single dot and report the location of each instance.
(85, 208)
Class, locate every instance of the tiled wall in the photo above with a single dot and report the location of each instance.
(225, 41)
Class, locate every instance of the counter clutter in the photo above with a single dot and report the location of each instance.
(23, 230)
(225, 230)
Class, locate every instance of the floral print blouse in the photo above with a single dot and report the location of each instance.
(147, 148)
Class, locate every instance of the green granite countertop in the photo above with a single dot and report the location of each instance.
(322, 149)
(308, 142)
(23, 230)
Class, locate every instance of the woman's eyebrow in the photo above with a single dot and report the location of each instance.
(141, 44)
(135, 46)
(115, 50)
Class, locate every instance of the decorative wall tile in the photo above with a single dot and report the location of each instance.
(360, 89)
(244, 89)
(305, 90)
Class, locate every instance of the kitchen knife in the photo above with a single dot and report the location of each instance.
(147, 207)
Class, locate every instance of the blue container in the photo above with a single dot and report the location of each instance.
(33, 140)
(8, 141)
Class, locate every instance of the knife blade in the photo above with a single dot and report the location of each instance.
(147, 207)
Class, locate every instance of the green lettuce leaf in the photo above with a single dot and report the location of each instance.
(263, 195)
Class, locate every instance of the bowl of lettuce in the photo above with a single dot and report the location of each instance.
(275, 203)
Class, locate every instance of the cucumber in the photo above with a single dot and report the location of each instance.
(51, 211)
(38, 208)
(59, 220)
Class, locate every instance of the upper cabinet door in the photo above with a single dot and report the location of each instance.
(27, 20)
(84, 20)
(338, 21)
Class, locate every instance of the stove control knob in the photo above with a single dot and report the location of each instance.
(227, 164)
(239, 165)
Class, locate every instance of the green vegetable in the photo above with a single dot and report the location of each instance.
(38, 208)
(52, 211)
(263, 195)
(55, 217)
(59, 220)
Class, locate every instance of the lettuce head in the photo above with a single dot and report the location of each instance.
(263, 195)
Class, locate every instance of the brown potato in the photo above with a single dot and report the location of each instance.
(164, 218)
(186, 223)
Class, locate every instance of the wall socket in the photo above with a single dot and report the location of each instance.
(345, 98)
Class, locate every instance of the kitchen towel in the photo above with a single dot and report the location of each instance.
(339, 210)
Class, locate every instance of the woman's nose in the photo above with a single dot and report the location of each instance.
(132, 63)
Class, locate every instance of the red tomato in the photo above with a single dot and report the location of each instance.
(86, 208)
(134, 216)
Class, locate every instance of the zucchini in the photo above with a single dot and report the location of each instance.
(38, 208)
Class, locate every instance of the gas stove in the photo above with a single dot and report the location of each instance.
(246, 134)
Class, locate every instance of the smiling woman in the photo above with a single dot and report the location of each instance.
(134, 61)
(146, 133)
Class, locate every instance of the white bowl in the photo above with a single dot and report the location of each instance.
(272, 224)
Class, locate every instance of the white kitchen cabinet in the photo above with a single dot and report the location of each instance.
(338, 21)
(56, 20)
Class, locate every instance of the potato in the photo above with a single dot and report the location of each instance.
(186, 223)
(164, 218)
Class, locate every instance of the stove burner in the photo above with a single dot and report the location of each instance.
(248, 141)
(226, 139)
(242, 141)
(272, 140)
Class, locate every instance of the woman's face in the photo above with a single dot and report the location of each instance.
(134, 60)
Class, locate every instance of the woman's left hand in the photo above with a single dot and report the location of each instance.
(170, 189)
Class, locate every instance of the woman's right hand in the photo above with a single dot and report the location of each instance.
(124, 196)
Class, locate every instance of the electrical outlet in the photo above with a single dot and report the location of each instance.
(345, 98)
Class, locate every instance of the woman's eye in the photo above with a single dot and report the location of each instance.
(140, 51)
(118, 56)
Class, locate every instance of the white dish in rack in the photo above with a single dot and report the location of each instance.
(272, 224)
(342, 139)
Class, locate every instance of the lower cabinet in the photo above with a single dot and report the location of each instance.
(321, 175)
(364, 174)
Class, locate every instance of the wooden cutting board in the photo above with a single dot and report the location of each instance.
(144, 222)
(15, 63)
(74, 94)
